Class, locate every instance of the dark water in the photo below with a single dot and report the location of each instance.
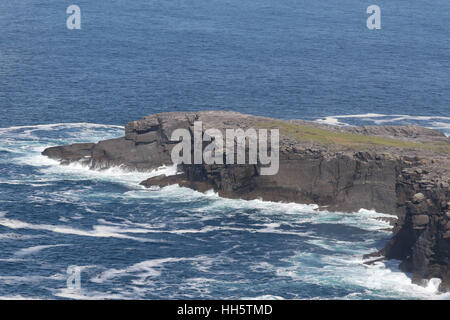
(286, 59)
(301, 59)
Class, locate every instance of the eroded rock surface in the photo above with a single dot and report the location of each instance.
(392, 169)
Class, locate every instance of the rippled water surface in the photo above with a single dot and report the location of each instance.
(174, 242)
(286, 59)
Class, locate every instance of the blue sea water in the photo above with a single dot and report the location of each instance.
(285, 59)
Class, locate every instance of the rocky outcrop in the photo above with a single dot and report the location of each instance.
(342, 182)
(422, 236)
(398, 170)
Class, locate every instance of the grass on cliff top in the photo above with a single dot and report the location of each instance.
(325, 137)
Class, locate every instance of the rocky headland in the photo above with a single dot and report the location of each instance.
(400, 170)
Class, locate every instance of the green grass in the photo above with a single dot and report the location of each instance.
(350, 140)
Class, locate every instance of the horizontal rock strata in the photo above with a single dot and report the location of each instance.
(403, 171)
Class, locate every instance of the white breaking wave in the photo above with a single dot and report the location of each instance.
(78, 171)
(54, 171)
(111, 229)
(14, 280)
(345, 267)
(37, 249)
(143, 270)
(19, 297)
(382, 279)
(432, 122)
(16, 236)
(299, 213)
(264, 297)
(62, 125)
(84, 294)
(69, 133)
(98, 231)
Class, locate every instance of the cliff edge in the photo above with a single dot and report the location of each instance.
(401, 170)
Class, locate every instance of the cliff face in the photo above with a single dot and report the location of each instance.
(422, 236)
(342, 182)
(397, 170)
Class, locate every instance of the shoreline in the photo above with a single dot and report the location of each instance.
(400, 170)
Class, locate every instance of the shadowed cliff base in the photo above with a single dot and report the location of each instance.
(401, 170)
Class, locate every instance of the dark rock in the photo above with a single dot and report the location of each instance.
(72, 153)
(142, 126)
(372, 262)
(180, 179)
(148, 137)
(410, 182)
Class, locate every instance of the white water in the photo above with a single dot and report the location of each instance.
(436, 122)
(345, 266)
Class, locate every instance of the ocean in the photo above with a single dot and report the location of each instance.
(288, 59)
